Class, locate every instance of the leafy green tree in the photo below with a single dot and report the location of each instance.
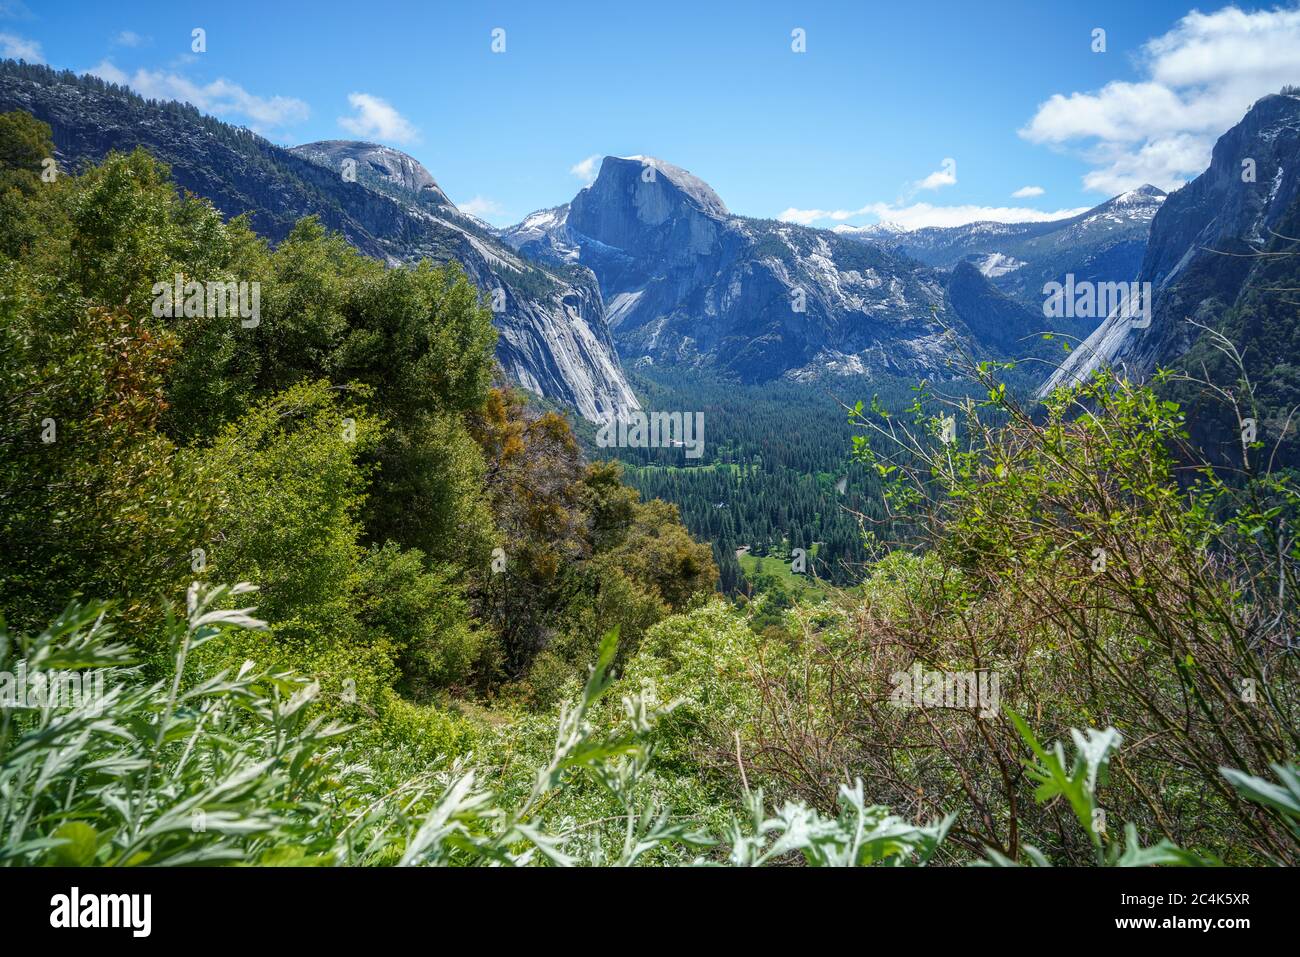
(659, 554)
(25, 146)
(293, 482)
(96, 498)
(424, 614)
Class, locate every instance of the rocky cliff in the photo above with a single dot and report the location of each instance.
(686, 281)
(553, 336)
(1205, 242)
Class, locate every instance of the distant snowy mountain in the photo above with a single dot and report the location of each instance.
(1104, 244)
(686, 281)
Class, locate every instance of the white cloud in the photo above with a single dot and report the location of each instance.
(1198, 80)
(377, 119)
(1028, 192)
(129, 38)
(920, 215)
(220, 97)
(17, 48)
(482, 207)
(1166, 161)
(15, 9)
(108, 71)
(946, 175)
(587, 169)
(806, 217)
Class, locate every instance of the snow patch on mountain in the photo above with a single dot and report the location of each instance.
(998, 264)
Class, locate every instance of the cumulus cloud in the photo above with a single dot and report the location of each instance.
(1027, 192)
(945, 175)
(587, 169)
(377, 119)
(220, 97)
(921, 215)
(18, 48)
(1197, 80)
(482, 207)
(909, 215)
(129, 38)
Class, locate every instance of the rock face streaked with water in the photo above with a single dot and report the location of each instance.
(553, 336)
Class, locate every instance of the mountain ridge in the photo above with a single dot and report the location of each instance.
(1205, 242)
(687, 281)
(1105, 243)
(553, 337)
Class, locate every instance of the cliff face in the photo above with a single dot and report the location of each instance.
(686, 281)
(553, 339)
(992, 318)
(1204, 244)
(380, 168)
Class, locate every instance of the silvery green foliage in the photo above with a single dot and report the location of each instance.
(862, 834)
(467, 825)
(157, 773)
(1093, 749)
(1283, 798)
(229, 767)
(125, 784)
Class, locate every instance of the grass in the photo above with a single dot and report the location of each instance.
(801, 585)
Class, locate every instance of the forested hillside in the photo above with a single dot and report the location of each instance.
(345, 448)
(552, 336)
(775, 473)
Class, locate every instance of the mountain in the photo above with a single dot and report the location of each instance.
(993, 318)
(381, 168)
(686, 281)
(553, 336)
(1104, 244)
(1206, 244)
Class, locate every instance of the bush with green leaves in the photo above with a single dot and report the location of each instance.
(223, 768)
(1076, 783)
(423, 613)
(234, 767)
(1112, 576)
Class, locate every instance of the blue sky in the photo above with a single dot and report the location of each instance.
(855, 129)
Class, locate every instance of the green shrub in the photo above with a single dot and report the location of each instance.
(423, 613)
